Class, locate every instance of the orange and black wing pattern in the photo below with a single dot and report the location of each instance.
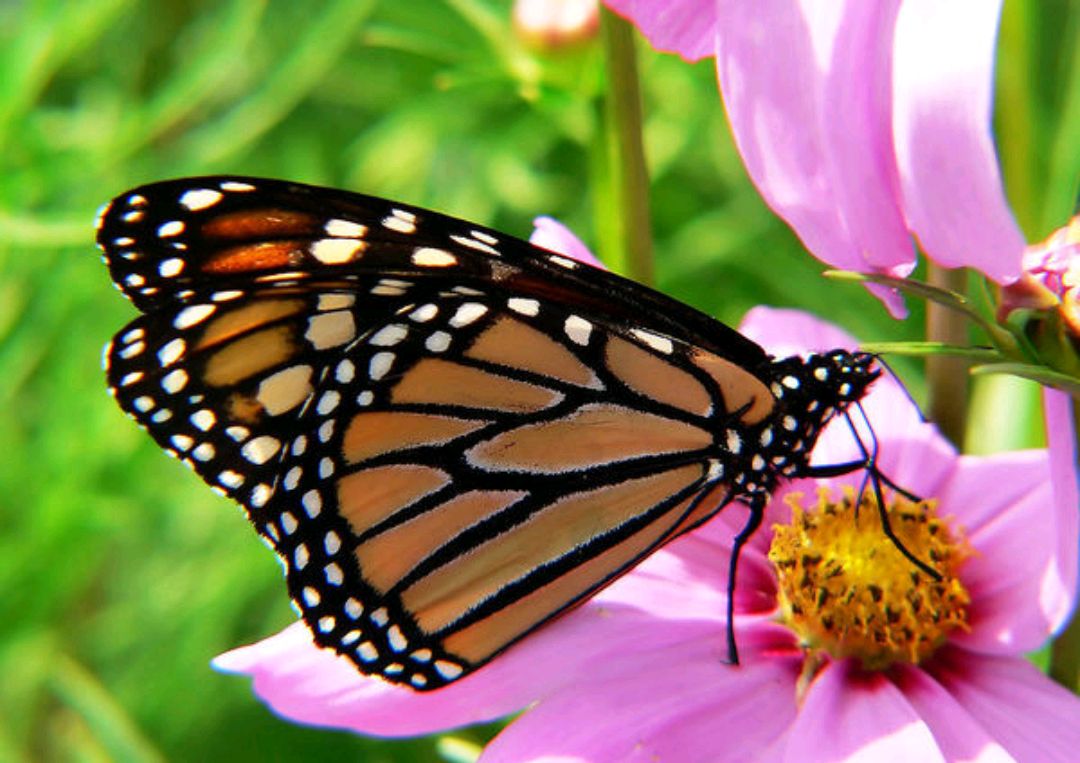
(449, 436)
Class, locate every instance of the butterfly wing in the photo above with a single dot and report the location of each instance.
(441, 433)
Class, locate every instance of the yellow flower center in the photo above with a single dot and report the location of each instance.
(845, 589)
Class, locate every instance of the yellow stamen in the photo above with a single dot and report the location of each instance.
(847, 590)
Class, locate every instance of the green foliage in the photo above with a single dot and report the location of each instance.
(122, 575)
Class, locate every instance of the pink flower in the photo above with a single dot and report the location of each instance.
(551, 234)
(1051, 278)
(639, 672)
(862, 124)
(556, 24)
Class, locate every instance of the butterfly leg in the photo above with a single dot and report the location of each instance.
(753, 522)
(869, 463)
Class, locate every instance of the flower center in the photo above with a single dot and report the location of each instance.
(845, 589)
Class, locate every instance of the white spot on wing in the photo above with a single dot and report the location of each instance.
(448, 670)
(424, 313)
(193, 315)
(171, 228)
(429, 256)
(312, 502)
(345, 228)
(203, 419)
(524, 306)
(328, 402)
(345, 371)
(171, 352)
(657, 342)
(401, 221)
(133, 349)
(260, 449)
(174, 381)
(578, 329)
(335, 251)
(467, 313)
(390, 335)
(200, 198)
(170, 267)
(380, 364)
(472, 243)
(438, 341)
(229, 478)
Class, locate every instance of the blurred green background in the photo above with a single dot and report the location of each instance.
(122, 575)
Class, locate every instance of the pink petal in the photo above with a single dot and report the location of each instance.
(1017, 596)
(850, 715)
(1030, 715)
(686, 27)
(1066, 519)
(552, 235)
(676, 597)
(806, 87)
(785, 331)
(311, 685)
(959, 736)
(943, 89)
(686, 706)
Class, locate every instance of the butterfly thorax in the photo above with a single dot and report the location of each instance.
(809, 392)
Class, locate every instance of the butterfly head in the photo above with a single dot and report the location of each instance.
(812, 390)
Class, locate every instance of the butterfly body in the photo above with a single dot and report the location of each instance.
(449, 436)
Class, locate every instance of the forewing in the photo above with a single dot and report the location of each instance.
(165, 241)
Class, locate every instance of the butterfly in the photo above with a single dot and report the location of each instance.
(448, 435)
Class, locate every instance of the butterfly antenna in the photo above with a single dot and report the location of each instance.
(900, 383)
(876, 478)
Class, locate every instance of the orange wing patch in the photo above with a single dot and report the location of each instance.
(375, 432)
(390, 555)
(478, 641)
(594, 434)
(513, 344)
(739, 387)
(369, 496)
(656, 378)
(266, 255)
(443, 382)
(440, 598)
(260, 224)
(245, 357)
(247, 317)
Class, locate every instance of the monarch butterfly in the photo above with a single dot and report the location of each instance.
(448, 435)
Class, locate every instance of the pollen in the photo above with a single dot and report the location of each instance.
(846, 590)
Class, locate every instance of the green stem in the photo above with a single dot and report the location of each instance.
(628, 246)
(947, 377)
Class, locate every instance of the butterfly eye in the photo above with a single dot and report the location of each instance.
(450, 437)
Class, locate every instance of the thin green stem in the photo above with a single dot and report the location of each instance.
(947, 378)
(628, 246)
